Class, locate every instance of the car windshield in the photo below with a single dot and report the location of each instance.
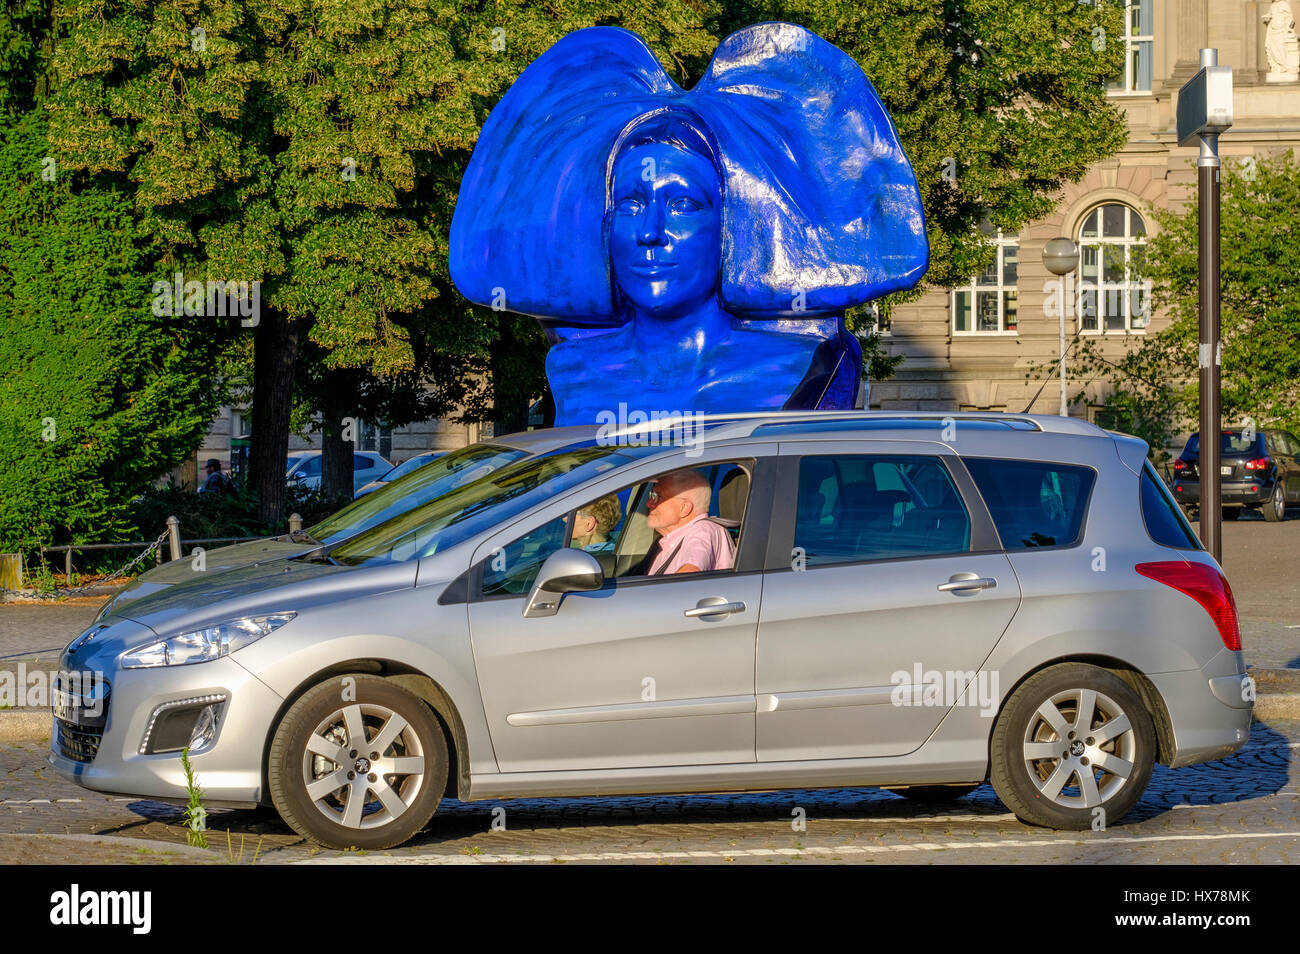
(468, 510)
(406, 466)
(421, 485)
(1230, 442)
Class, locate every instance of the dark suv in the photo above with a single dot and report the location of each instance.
(1259, 469)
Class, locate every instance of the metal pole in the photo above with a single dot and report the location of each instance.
(1065, 407)
(174, 537)
(1207, 180)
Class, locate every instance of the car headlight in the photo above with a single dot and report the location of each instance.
(201, 645)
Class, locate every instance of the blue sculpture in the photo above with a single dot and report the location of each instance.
(690, 251)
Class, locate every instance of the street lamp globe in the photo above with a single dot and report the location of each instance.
(1060, 255)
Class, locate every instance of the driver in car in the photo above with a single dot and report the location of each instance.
(689, 542)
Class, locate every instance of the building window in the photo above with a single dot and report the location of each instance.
(1111, 297)
(879, 324)
(371, 437)
(988, 304)
(1138, 41)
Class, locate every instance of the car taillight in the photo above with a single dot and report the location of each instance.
(1207, 586)
(1180, 464)
(1261, 463)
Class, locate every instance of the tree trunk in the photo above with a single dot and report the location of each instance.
(275, 354)
(336, 453)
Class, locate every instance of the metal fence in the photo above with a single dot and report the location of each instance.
(172, 535)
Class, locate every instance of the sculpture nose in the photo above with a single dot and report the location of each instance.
(651, 229)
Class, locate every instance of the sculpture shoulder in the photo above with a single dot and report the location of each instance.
(598, 349)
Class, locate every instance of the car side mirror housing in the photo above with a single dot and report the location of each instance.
(565, 571)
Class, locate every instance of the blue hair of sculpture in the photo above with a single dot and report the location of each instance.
(753, 210)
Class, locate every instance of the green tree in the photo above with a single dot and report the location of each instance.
(316, 146)
(98, 395)
(1155, 379)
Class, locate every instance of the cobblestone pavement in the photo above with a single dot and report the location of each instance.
(1245, 810)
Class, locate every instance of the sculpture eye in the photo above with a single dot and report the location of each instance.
(684, 206)
(628, 206)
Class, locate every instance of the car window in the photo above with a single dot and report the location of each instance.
(482, 504)
(451, 471)
(510, 570)
(310, 467)
(362, 462)
(617, 530)
(1230, 443)
(1165, 523)
(877, 507)
(1033, 504)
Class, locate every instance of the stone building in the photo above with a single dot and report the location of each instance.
(969, 348)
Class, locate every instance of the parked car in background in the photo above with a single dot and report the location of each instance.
(914, 603)
(1258, 470)
(448, 472)
(400, 470)
(366, 466)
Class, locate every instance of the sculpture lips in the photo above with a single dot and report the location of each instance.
(652, 268)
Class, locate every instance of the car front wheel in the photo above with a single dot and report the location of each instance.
(1072, 749)
(358, 762)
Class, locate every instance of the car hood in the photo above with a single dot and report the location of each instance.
(215, 561)
(295, 586)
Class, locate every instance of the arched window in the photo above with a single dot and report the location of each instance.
(988, 305)
(1112, 299)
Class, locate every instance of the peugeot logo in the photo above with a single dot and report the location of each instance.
(82, 640)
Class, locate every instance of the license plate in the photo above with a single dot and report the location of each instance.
(66, 706)
(1225, 471)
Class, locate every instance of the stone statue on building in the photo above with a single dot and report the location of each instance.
(1281, 44)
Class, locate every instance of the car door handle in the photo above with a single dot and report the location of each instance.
(967, 581)
(713, 606)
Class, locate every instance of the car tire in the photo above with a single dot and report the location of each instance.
(936, 793)
(1275, 508)
(1070, 705)
(331, 734)
(1232, 513)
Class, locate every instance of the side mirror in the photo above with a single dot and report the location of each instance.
(565, 571)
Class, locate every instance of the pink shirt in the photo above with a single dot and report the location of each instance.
(703, 543)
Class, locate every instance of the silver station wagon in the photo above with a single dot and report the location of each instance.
(913, 602)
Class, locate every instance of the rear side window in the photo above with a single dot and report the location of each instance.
(1034, 504)
(1166, 524)
(874, 507)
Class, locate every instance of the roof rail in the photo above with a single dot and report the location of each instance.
(1040, 422)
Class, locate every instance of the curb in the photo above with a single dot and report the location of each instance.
(1278, 700)
(24, 725)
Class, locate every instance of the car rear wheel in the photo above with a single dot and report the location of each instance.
(1275, 509)
(358, 762)
(1072, 749)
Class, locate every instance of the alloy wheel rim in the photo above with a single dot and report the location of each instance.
(363, 766)
(1079, 749)
(1279, 501)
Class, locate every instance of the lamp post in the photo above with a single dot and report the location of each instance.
(1061, 256)
(1204, 112)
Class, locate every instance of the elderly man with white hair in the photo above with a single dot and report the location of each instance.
(689, 542)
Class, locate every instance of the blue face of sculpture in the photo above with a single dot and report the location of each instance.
(665, 232)
(690, 250)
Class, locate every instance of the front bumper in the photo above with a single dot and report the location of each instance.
(1210, 709)
(229, 770)
(1246, 492)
